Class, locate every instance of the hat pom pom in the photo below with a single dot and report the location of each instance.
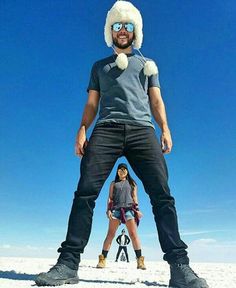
(150, 68)
(122, 61)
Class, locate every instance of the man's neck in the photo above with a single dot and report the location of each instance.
(126, 50)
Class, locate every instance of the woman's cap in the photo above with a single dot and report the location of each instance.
(122, 165)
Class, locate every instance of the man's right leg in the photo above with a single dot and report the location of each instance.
(104, 148)
(118, 253)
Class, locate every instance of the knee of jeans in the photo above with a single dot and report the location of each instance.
(162, 202)
(88, 188)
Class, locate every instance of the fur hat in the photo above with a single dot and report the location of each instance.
(124, 11)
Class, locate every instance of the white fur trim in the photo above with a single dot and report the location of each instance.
(122, 61)
(150, 68)
(124, 11)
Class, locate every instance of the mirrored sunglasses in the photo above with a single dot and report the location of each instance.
(129, 27)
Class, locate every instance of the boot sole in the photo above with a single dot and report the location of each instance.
(181, 285)
(45, 282)
(177, 285)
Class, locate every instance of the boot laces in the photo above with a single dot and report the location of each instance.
(57, 267)
(186, 269)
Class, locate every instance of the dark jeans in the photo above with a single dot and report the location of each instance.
(125, 250)
(139, 145)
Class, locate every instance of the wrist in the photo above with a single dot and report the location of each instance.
(165, 128)
(81, 133)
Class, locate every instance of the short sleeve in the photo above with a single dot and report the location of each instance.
(153, 81)
(94, 80)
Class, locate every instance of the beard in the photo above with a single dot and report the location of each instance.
(123, 46)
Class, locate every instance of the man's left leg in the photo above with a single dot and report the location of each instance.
(126, 253)
(144, 154)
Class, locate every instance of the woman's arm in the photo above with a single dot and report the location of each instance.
(110, 200)
(135, 194)
(135, 199)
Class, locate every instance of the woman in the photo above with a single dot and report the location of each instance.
(122, 207)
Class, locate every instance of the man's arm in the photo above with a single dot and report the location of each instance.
(90, 112)
(128, 239)
(118, 240)
(159, 114)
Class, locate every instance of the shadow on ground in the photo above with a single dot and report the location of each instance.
(122, 282)
(153, 284)
(13, 275)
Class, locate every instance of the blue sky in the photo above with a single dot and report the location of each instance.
(47, 50)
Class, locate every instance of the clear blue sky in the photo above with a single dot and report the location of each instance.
(47, 50)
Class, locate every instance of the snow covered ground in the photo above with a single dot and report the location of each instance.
(20, 272)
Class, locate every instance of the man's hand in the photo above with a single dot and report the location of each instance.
(81, 142)
(166, 142)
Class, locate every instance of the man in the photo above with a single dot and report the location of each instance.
(123, 240)
(126, 88)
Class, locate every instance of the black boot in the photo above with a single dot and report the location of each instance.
(182, 276)
(59, 274)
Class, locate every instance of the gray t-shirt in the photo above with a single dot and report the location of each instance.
(122, 195)
(124, 93)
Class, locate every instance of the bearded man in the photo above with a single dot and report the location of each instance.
(126, 88)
